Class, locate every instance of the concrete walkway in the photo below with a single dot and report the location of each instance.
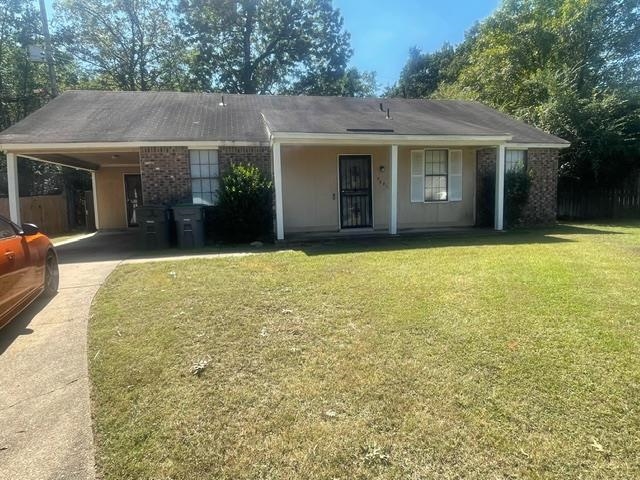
(45, 421)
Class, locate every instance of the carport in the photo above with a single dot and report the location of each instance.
(115, 177)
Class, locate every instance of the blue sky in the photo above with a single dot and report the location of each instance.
(382, 31)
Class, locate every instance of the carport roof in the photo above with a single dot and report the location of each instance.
(79, 117)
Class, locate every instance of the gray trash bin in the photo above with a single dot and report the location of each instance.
(189, 225)
(154, 227)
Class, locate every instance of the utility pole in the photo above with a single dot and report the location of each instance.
(53, 84)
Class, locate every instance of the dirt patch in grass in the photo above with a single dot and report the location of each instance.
(512, 356)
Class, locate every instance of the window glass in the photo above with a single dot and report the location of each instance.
(515, 160)
(6, 229)
(204, 176)
(435, 175)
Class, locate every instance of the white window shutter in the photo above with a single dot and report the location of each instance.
(417, 176)
(455, 175)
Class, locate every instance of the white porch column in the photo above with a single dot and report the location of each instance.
(393, 211)
(277, 183)
(94, 189)
(13, 188)
(500, 166)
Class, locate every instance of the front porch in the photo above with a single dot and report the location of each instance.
(326, 190)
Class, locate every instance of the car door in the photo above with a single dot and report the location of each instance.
(13, 268)
(9, 268)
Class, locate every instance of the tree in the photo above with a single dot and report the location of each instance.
(23, 87)
(22, 83)
(570, 67)
(124, 44)
(424, 72)
(351, 83)
(269, 46)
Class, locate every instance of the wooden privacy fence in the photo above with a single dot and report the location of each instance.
(49, 212)
(605, 203)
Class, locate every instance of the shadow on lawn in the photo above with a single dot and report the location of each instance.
(463, 238)
(121, 245)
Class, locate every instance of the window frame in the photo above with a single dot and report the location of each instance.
(421, 199)
(446, 175)
(203, 178)
(524, 160)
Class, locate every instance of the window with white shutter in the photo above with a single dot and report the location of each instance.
(417, 175)
(436, 175)
(455, 175)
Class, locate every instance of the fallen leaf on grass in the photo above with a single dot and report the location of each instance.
(596, 445)
(200, 366)
(374, 454)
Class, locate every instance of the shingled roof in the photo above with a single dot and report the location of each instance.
(98, 116)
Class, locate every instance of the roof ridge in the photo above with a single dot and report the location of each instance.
(268, 95)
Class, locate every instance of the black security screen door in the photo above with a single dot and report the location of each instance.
(133, 193)
(355, 191)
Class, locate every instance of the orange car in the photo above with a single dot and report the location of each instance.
(28, 267)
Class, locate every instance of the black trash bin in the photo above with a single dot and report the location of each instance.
(154, 227)
(189, 225)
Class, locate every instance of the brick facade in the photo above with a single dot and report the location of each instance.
(166, 177)
(258, 156)
(541, 208)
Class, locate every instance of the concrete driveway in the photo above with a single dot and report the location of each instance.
(45, 420)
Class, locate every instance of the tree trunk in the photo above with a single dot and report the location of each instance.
(247, 81)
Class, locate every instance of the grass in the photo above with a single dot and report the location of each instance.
(487, 356)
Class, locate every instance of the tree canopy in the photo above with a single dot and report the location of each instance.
(21, 81)
(568, 66)
(248, 46)
(123, 44)
(23, 88)
(270, 46)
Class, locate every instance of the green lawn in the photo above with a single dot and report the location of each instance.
(501, 356)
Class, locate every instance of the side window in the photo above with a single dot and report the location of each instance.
(515, 160)
(6, 230)
(204, 176)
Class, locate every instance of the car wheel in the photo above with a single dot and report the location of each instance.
(51, 275)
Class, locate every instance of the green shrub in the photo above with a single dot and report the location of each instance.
(517, 184)
(516, 192)
(244, 210)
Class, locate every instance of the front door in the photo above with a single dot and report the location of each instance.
(355, 191)
(133, 194)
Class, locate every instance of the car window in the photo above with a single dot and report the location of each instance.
(6, 230)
